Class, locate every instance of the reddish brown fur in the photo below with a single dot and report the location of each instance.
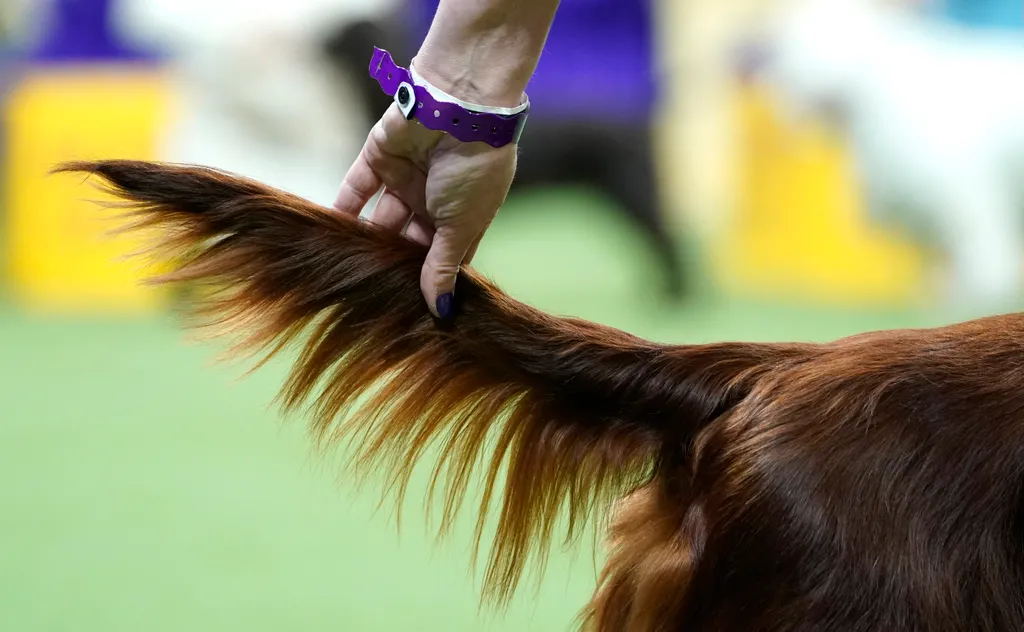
(873, 483)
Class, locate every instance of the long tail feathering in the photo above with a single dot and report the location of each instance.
(572, 413)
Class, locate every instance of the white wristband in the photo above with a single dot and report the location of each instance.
(441, 95)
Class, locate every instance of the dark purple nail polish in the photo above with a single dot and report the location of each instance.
(444, 306)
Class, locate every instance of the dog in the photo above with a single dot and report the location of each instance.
(935, 119)
(871, 483)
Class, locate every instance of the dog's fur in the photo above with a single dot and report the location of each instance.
(873, 483)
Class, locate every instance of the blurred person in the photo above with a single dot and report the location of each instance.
(935, 117)
(594, 93)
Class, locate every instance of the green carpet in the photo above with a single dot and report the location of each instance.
(142, 488)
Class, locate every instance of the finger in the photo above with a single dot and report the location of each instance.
(379, 158)
(402, 178)
(472, 250)
(476, 244)
(360, 184)
(398, 136)
(390, 212)
(420, 230)
(386, 159)
(441, 267)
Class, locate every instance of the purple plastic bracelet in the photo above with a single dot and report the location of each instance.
(465, 125)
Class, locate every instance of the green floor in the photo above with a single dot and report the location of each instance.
(142, 489)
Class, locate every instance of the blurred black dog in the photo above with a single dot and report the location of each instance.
(616, 160)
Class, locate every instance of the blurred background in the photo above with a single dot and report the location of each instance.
(693, 171)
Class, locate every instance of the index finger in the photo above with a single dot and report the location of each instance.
(360, 184)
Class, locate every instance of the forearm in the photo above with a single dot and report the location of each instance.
(485, 51)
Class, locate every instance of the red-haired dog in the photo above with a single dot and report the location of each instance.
(875, 483)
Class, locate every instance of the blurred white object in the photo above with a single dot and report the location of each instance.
(936, 117)
(254, 92)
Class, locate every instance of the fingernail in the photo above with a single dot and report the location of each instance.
(444, 306)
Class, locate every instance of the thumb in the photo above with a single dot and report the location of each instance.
(437, 278)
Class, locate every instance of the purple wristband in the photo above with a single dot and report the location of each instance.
(465, 125)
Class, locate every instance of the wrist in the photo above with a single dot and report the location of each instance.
(445, 97)
(484, 51)
(470, 74)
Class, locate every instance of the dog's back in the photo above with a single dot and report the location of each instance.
(873, 483)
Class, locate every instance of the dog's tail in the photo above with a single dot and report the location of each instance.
(570, 412)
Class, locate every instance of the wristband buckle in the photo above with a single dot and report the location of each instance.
(405, 98)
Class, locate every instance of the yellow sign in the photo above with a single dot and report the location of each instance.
(801, 229)
(60, 255)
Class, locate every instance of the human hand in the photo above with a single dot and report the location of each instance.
(437, 191)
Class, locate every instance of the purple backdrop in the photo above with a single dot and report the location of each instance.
(599, 62)
(82, 33)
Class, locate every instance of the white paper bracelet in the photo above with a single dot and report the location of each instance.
(441, 95)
